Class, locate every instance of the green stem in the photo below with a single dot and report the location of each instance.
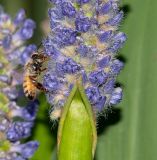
(77, 129)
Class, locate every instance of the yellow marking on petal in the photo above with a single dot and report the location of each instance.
(90, 39)
(8, 25)
(93, 40)
(107, 28)
(68, 51)
(3, 59)
(1, 35)
(70, 78)
(2, 137)
(9, 114)
(104, 1)
(4, 102)
(87, 64)
(77, 58)
(94, 67)
(68, 23)
(77, 6)
(101, 46)
(1, 49)
(86, 7)
(12, 28)
(107, 69)
(17, 42)
(87, 85)
(88, 10)
(89, 14)
(5, 145)
(103, 18)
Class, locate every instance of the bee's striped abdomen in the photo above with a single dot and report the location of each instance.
(29, 87)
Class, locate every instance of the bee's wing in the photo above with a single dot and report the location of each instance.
(40, 49)
(20, 68)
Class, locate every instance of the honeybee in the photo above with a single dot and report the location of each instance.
(33, 69)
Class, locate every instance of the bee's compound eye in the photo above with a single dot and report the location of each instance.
(34, 56)
(34, 66)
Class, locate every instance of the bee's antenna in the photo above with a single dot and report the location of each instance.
(39, 45)
(40, 49)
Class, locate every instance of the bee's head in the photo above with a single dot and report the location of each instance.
(35, 56)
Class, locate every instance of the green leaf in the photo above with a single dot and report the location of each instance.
(77, 132)
(133, 136)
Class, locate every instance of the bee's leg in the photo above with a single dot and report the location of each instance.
(43, 57)
(40, 87)
(37, 84)
(42, 70)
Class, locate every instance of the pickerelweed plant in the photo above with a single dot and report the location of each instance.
(82, 69)
(15, 121)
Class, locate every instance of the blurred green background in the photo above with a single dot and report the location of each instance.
(130, 131)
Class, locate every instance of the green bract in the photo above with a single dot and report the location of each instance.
(77, 132)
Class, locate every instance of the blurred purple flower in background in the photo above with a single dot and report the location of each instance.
(16, 121)
(84, 42)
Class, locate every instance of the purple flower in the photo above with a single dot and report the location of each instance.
(11, 93)
(82, 24)
(26, 31)
(1, 65)
(68, 66)
(65, 36)
(101, 103)
(109, 86)
(19, 130)
(55, 15)
(118, 41)
(50, 49)
(25, 150)
(104, 62)
(83, 1)
(19, 158)
(16, 121)
(116, 66)
(68, 9)
(6, 42)
(27, 113)
(11, 40)
(27, 53)
(115, 20)
(84, 42)
(83, 50)
(56, 1)
(20, 17)
(93, 94)
(98, 77)
(5, 79)
(105, 7)
(104, 36)
(28, 149)
(116, 96)
(51, 82)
